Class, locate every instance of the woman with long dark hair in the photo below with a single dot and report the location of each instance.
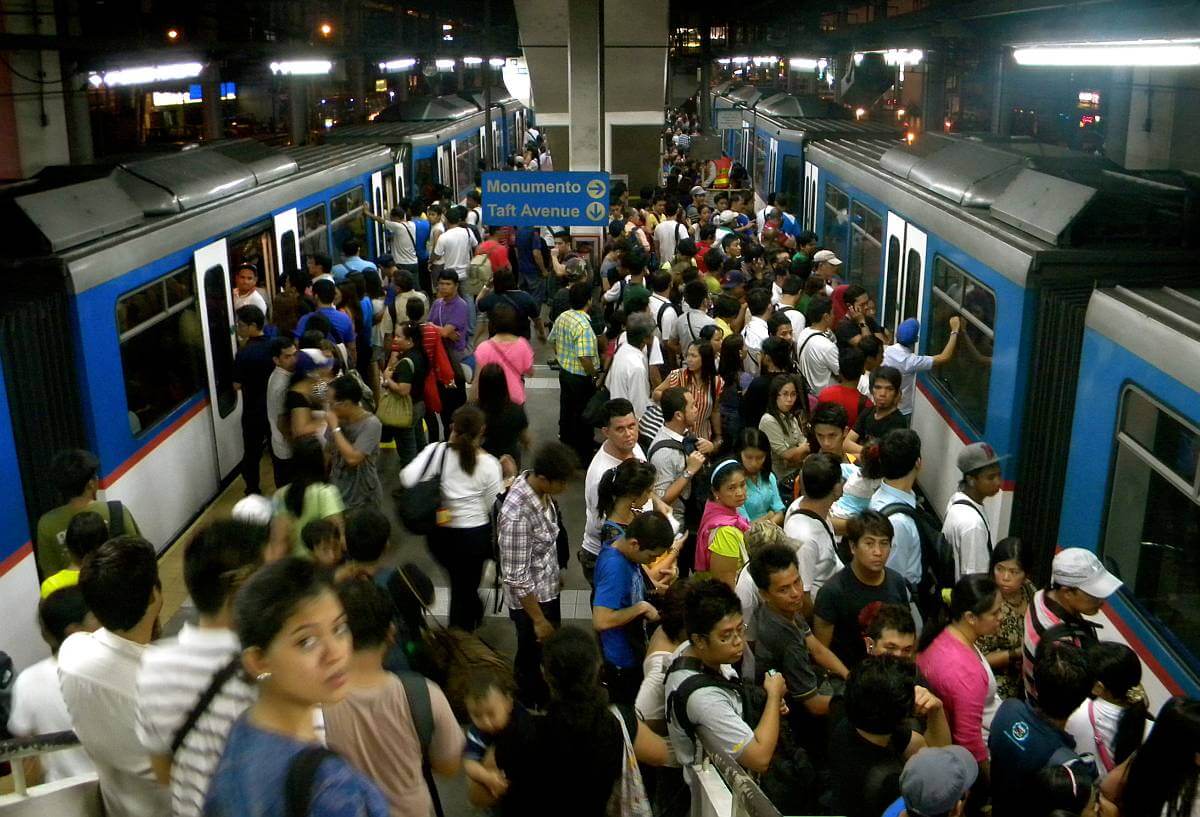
(1010, 568)
(1160, 779)
(470, 480)
(309, 496)
(753, 450)
(622, 493)
(733, 384)
(699, 376)
(350, 304)
(1112, 725)
(956, 671)
(785, 424)
(507, 430)
(405, 377)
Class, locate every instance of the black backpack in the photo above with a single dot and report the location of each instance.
(937, 558)
(693, 506)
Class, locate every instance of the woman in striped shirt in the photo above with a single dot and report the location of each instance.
(699, 376)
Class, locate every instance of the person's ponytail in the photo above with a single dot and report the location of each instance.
(871, 459)
(467, 422)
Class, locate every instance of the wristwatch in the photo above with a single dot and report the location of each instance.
(336, 430)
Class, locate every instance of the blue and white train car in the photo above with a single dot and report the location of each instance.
(1012, 239)
(117, 332)
(1133, 475)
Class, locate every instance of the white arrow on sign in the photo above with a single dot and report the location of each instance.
(596, 210)
(596, 188)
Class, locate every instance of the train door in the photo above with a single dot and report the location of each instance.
(497, 141)
(811, 177)
(378, 205)
(903, 272)
(287, 246)
(220, 345)
(445, 155)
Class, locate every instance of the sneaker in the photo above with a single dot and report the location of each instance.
(553, 364)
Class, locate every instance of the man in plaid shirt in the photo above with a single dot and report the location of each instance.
(527, 529)
(578, 359)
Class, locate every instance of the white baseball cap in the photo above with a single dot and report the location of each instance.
(826, 257)
(255, 509)
(1076, 567)
(727, 217)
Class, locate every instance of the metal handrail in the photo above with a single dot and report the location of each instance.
(17, 749)
(748, 798)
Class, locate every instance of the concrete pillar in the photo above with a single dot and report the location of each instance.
(298, 106)
(358, 86)
(1162, 120)
(210, 88)
(933, 106)
(78, 117)
(1002, 67)
(704, 109)
(402, 87)
(585, 75)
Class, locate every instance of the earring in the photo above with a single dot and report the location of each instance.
(262, 676)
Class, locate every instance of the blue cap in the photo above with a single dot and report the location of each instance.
(908, 331)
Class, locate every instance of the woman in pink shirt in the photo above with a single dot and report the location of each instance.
(957, 672)
(508, 350)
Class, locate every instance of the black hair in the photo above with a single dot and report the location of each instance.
(503, 319)
(892, 457)
(870, 346)
(638, 332)
(367, 534)
(726, 306)
(403, 279)
(414, 310)
(895, 617)
(323, 261)
(768, 561)
(350, 247)
(448, 275)
(281, 344)
(818, 308)
(652, 531)
(820, 474)
(578, 703)
(308, 468)
(503, 280)
(493, 390)
(73, 470)
(1064, 787)
(86, 531)
(1062, 678)
(61, 610)
(369, 611)
(708, 601)
(251, 315)
(1120, 670)
(853, 293)
(830, 414)
(118, 580)
(316, 331)
(890, 374)
(346, 388)
(317, 531)
(325, 291)
(751, 437)
(579, 294)
(270, 597)
(879, 694)
(672, 609)
(631, 478)
(974, 593)
(555, 461)
(695, 293)
(777, 321)
(467, 423)
(1162, 775)
(779, 352)
(1011, 548)
(792, 285)
(617, 407)
(713, 259)
(868, 522)
(729, 363)
(851, 362)
(778, 383)
(722, 473)
(673, 401)
(758, 300)
(300, 278)
(218, 559)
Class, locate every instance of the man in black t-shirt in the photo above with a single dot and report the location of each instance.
(866, 579)
(251, 370)
(503, 290)
(885, 393)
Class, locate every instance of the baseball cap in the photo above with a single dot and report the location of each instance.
(310, 359)
(696, 191)
(826, 257)
(976, 456)
(934, 780)
(1076, 567)
(733, 278)
(727, 217)
(908, 330)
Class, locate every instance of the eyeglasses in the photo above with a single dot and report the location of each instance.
(739, 634)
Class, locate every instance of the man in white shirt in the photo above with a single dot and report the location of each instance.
(403, 237)
(37, 703)
(808, 525)
(176, 672)
(674, 468)
(629, 375)
(668, 233)
(966, 525)
(688, 325)
(816, 350)
(245, 291)
(98, 673)
(474, 215)
(283, 354)
(902, 356)
(661, 308)
(789, 292)
(456, 246)
(758, 304)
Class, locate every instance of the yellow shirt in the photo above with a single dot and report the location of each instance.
(61, 579)
(724, 325)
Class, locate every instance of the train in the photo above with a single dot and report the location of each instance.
(116, 329)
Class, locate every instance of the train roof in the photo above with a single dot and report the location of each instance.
(1160, 325)
(407, 126)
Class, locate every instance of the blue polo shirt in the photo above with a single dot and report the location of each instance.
(528, 242)
(351, 264)
(905, 558)
(341, 327)
(1022, 743)
(619, 585)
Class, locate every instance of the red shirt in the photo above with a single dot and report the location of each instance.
(848, 397)
(497, 252)
(702, 247)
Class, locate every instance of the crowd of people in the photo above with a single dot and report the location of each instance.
(764, 579)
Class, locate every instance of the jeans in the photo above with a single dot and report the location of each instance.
(411, 440)
(574, 392)
(282, 469)
(527, 666)
(462, 552)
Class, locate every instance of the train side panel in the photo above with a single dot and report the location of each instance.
(18, 568)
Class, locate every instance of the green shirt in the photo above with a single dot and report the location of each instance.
(321, 501)
(61, 579)
(52, 555)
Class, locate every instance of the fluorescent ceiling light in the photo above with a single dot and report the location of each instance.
(472, 60)
(802, 64)
(723, 61)
(764, 60)
(146, 74)
(446, 27)
(445, 65)
(496, 62)
(740, 60)
(903, 56)
(299, 68)
(397, 65)
(1135, 53)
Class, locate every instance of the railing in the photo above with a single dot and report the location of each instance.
(17, 749)
(725, 789)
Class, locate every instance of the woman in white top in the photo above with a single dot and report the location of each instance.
(1112, 725)
(471, 479)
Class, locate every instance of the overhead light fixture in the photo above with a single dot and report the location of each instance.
(803, 64)
(172, 34)
(444, 65)
(859, 113)
(903, 56)
(858, 57)
(496, 62)
(472, 60)
(723, 61)
(301, 68)
(447, 27)
(740, 60)
(764, 60)
(326, 29)
(146, 74)
(397, 65)
(1129, 53)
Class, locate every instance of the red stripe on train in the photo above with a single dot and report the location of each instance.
(154, 443)
(15, 557)
(1008, 484)
(1148, 657)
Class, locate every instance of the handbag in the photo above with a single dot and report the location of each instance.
(396, 410)
(418, 506)
(628, 798)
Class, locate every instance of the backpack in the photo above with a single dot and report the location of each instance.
(975, 508)
(937, 558)
(479, 274)
(843, 553)
(693, 506)
(116, 517)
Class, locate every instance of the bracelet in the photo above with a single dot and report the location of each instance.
(955, 332)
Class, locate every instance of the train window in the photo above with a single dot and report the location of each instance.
(1154, 520)
(866, 248)
(314, 237)
(761, 157)
(254, 245)
(892, 279)
(466, 162)
(912, 289)
(967, 376)
(790, 184)
(148, 336)
(348, 220)
(220, 327)
(426, 176)
(290, 262)
(836, 205)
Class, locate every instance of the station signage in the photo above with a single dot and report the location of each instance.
(535, 199)
(729, 118)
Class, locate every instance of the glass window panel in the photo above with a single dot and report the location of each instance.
(256, 246)
(154, 390)
(314, 235)
(892, 279)
(966, 378)
(140, 306)
(760, 163)
(1165, 438)
(792, 182)
(836, 219)
(426, 170)
(866, 248)
(220, 329)
(288, 242)
(912, 284)
(348, 219)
